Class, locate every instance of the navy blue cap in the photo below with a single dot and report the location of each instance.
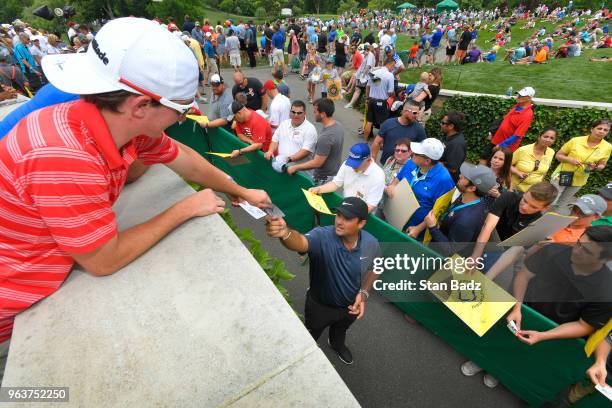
(359, 152)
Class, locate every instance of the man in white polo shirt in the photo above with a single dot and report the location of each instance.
(295, 139)
(359, 176)
(280, 105)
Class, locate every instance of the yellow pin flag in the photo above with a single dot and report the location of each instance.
(198, 118)
(317, 202)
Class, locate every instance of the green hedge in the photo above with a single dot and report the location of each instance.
(480, 111)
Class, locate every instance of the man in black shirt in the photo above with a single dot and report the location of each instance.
(322, 43)
(455, 147)
(511, 213)
(251, 87)
(461, 223)
(568, 284)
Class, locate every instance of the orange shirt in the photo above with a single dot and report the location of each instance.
(413, 50)
(567, 235)
(540, 56)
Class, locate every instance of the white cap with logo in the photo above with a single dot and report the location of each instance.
(430, 147)
(133, 54)
(527, 91)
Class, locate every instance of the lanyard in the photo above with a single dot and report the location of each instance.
(451, 211)
(416, 179)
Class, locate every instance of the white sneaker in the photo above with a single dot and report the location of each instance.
(469, 368)
(490, 381)
(348, 106)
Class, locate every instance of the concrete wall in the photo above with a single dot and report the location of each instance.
(193, 322)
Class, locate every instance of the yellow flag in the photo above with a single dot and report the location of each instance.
(440, 206)
(317, 202)
(197, 118)
(219, 154)
(475, 299)
(596, 338)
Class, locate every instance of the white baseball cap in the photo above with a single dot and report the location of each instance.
(430, 147)
(132, 54)
(527, 91)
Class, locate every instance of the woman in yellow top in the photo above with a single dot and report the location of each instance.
(578, 158)
(530, 163)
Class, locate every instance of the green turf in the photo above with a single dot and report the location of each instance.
(569, 78)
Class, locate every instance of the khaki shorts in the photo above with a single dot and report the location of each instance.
(235, 59)
(278, 56)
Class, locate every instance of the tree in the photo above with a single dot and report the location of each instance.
(11, 9)
(347, 5)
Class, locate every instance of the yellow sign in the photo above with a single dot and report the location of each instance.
(475, 299)
(596, 338)
(197, 118)
(317, 202)
(219, 154)
(439, 208)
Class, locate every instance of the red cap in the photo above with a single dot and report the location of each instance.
(268, 85)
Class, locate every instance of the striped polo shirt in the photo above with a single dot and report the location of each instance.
(60, 174)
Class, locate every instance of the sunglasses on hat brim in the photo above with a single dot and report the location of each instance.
(180, 108)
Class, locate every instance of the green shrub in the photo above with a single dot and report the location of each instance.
(480, 111)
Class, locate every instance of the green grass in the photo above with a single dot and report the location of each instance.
(569, 78)
(217, 15)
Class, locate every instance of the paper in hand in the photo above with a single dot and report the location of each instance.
(253, 211)
(274, 211)
(198, 118)
(317, 202)
(606, 391)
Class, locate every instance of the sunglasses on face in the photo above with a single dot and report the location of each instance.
(177, 107)
(536, 165)
(296, 113)
(401, 150)
(444, 123)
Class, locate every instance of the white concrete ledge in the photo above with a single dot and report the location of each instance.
(559, 103)
(194, 322)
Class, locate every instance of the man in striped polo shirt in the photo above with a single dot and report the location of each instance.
(62, 167)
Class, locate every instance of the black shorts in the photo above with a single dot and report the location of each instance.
(340, 62)
(242, 44)
(378, 111)
(450, 51)
(487, 151)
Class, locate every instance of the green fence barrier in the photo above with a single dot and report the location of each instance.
(534, 373)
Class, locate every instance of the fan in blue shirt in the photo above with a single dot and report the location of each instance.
(429, 181)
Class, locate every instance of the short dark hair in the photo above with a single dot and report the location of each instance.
(298, 103)
(602, 234)
(411, 102)
(111, 100)
(457, 119)
(402, 141)
(543, 191)
(389, 60)
(325, 106)
(601, 122)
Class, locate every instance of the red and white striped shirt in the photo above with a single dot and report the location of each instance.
(60, 173)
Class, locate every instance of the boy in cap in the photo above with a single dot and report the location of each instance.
(251, 128)
(359, 176)
(588, 208)
(341, 260)
(462, 221)
(514, 125)
(129, 96)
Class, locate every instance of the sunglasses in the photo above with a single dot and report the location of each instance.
(401, 150)
(444, 123)
(297, 113)
(536, 165)
(181, 109)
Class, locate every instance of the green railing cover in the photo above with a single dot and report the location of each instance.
(534, 373)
